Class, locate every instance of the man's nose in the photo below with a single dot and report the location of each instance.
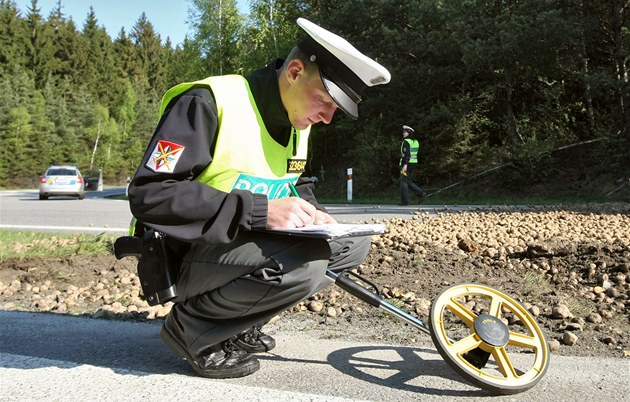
(327, 114)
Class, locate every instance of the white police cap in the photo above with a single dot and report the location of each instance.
(407, 128)
(344, 70)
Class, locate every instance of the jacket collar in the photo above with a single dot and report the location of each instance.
(264, 86)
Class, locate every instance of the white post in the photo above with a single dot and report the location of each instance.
(349, 184)
(127, 187)
(100, 180)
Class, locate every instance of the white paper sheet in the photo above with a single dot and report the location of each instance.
(334, 230)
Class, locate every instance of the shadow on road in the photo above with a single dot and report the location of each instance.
(80, 340)
(55, 340)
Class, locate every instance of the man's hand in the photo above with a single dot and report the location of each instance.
(293, 212)
(322, 218)
(290, 212)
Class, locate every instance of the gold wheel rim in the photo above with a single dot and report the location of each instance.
(506, 374)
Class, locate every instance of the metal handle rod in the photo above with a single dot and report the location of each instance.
(375, 300)
(416, 322)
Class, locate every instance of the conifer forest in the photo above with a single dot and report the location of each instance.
(519, 89)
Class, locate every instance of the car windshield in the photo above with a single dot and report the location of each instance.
(61, 172)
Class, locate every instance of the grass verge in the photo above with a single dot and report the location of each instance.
(28, 245)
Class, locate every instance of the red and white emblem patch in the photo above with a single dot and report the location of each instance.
(165, 156)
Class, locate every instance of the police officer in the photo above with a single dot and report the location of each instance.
(219, 170)
(408, 164)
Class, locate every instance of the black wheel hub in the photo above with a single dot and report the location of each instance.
(492, 330)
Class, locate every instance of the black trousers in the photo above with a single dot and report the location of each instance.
(406, 183)
(226, 289)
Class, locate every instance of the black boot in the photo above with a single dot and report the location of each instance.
(254, 340)
(223, 360)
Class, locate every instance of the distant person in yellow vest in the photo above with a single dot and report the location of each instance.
(408, 164)
(223, 162)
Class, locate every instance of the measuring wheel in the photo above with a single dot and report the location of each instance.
(488, 338)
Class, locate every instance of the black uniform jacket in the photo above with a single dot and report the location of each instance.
(188, 210)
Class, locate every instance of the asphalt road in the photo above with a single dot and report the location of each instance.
(96, 213)
(58, 357)
(22, 210)
(54, 357)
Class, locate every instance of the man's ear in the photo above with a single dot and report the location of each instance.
(295, 69)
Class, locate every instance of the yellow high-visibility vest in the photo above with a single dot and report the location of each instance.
(246, 157)
(414, 145)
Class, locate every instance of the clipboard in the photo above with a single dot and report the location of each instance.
(333, 230)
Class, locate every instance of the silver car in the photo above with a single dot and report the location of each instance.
(61, 180)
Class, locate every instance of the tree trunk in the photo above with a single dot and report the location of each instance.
(621, 58)
(588, 98)
(98, 135)
(513, 135)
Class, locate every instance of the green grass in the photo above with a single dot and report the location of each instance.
(28, 245)
(465, 200)
(537, 285)
(580, 308)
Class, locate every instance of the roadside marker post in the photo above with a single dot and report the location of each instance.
(349, 184)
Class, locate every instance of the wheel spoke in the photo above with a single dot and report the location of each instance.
(462, 312)
(503, 361)
(522, 340)
(495, 306)
(465, 344)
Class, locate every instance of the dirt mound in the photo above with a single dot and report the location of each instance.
(569, 267)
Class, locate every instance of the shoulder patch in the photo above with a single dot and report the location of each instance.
(165, 156)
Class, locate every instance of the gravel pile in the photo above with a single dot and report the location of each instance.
(569, 267)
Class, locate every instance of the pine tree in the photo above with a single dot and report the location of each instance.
(149, 52)
(100, 72)
(13, 35)
(40, 48)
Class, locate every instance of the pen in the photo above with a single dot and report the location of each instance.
(294, 191)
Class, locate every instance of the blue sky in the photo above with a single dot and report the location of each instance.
(167, 16)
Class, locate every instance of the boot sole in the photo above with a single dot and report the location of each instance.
(173, 344)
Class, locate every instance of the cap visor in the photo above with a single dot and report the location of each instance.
(342, 100)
